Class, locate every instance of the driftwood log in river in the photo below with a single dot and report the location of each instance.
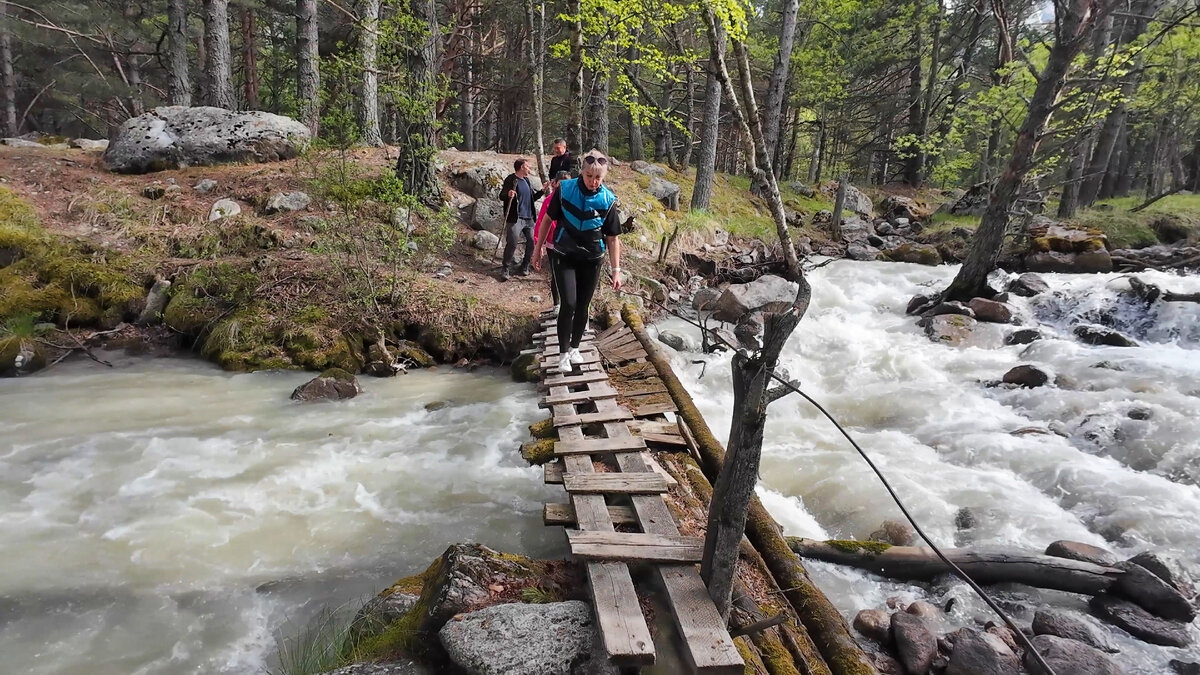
(912, 563)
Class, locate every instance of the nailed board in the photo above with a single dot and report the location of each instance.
(584, 347)
(589, 446)
(665, 439)
(653, 409)
(564, 514)
(568, 380)
(592, 418)
(622, 483)
(595, 392)
(635, 546)
(553, 473)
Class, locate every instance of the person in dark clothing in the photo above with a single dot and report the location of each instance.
(518, 196)
(587, 227)
(562, 159)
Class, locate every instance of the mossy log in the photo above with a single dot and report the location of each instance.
(818, 615)
(912, 563)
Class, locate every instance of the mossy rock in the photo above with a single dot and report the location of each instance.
(525, 368)
(413, 352)
(538, 452)
(191, 314)
(337, 374)
(80, 311)
(543, 429)
(23, 295)
(245, 342)
(921, 254)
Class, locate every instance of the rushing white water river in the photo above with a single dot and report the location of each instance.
(946, 441)
(165, 517)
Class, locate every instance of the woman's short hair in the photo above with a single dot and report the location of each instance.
(601, 165)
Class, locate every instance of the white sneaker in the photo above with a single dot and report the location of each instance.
(564, 363)
(575, 356)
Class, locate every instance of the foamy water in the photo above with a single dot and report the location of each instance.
(946, 441)
(165, 517)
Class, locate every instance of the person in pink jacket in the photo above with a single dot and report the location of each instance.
(543, 221)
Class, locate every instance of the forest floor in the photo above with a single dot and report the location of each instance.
(80, 247)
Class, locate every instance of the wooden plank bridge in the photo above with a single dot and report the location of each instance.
(602, 460)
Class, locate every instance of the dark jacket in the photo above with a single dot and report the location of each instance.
(510, 206)
(563, 162)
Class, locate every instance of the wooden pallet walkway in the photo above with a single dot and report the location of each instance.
(593, 426)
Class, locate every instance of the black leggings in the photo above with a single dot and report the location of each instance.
(576, 280)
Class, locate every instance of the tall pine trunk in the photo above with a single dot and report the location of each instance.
(598, 113)
(575, 79)
(914, 163)
(249, 59)
(418, 147)
(179, 83)
(777, 87)
(536, 50)
(218, 81)
(368, 105)
(308, 77)
(8, 81)
(706, 156)
(466, 101)
(1075, 20)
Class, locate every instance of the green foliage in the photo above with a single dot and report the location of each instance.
(318, 648)
(537, 595)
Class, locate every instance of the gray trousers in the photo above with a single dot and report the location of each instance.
(522, 228)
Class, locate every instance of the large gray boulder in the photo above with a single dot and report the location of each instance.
(916, 645)
(665, 192)
(857, 202)
(89, 144)
(558, 638)
(1068, 657)
(1093, 334)
(977, 653)
(874, 624)
(855, 230)
(767, 293)
(488, 215)
(951, 329)
(332, 385)
(287, 201)
(1139, 623)
(644, 167)
(480, 180)
(676, 340)
(1028, 285)
(1064, 625)
(485, 241)
(175, 137)
(401, 667)
(1153, 594)
(20, 143)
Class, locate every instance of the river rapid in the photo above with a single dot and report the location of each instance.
(946, 441)
(165, 517)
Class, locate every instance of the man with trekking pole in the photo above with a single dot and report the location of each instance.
(518, 196)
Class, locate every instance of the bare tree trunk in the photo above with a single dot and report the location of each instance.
(249, 59)
(689, 112)
(218, 84)
(1118, 165)
(814, 165)
(536, 50)
(467, 96)
(308, 77)
(179, 85)
(777, 87)
(1068, 201)
(418, 147)
(598, 113)
(575, 83)
(137, 101)
(706, 159)
(935, 54)
(758, 157)
(1075, 19)
(914, 162)
(368, 105)
(962, 80)
(1089, 189)
(664, 140)
(8, 81)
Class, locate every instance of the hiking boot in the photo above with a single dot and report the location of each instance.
(505, 275)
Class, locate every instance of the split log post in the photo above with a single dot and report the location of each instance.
(839, 202)
(819, 617)
(739, 474)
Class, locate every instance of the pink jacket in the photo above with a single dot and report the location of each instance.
(538, 222)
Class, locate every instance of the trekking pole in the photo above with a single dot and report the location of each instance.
(504, 227)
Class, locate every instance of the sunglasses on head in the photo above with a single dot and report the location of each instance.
(590, 159)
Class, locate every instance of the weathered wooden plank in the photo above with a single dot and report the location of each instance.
(645, 391)
(564, 514)
(654, 466)
(592, 418)
(623, 628)
(616, 483)
(617, 342)
(653, 409)
(553, 473)
(551, 368)
(551, 362)
(707, 645)
(599, 446)
(652, 427)
(612, 330)
(551, 336)
(665, 439)
(594, 392)
(567, 380)
(635, 546)
(584, 347)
